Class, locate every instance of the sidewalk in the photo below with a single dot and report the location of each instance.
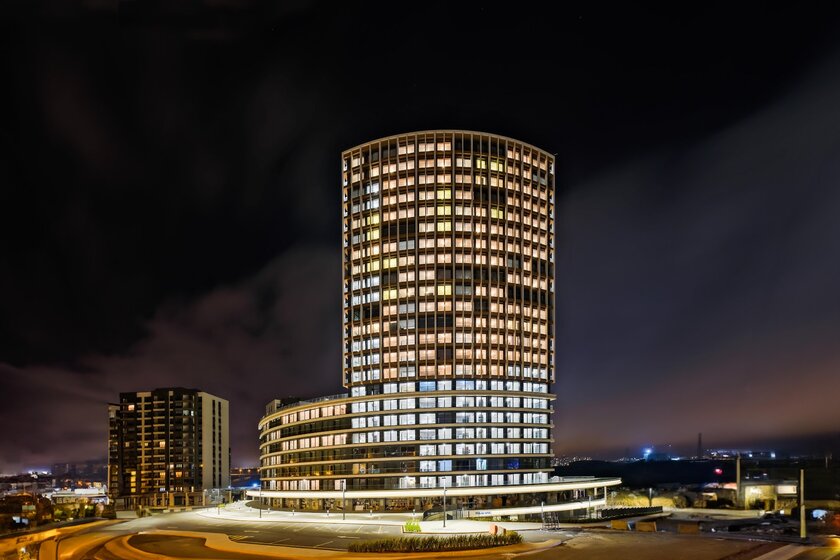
(784, 553)
(238, 511)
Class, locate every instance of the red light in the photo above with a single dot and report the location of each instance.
(718, 471)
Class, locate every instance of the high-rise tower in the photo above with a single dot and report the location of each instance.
(448, 331)
(167, 447)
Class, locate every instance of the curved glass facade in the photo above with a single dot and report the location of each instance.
(430, 435)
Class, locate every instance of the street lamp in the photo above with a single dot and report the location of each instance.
(343, 500)
(444, 502)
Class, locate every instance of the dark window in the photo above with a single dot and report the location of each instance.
(443, 273)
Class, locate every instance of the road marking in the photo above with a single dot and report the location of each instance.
(323, 544)
(251, 531)
(239, 537)
(346, 537)
(281, 540)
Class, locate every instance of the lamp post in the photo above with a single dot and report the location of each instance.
(261, 499)
(343, 499)
(444, 502)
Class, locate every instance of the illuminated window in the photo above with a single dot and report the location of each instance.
(427, 434)
(427, 402)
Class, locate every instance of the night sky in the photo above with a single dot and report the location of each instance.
(170, 205)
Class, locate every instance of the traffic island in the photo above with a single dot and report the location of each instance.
(216, 545)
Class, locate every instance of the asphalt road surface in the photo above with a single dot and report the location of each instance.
(114, 542)
(309, 535)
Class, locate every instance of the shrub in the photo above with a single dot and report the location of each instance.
(411, 527)
(436, 544)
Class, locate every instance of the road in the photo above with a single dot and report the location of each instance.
(309, 535)
(115, 542)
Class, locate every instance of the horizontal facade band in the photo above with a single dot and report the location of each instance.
(396, 458)
(584, 484)
(400, 473)
(308, 405)
(535, 510)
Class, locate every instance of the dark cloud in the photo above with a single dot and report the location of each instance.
(698, 281)
(248, 342)
(170, 203)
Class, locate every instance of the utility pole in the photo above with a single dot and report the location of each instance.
(802, 531)
(344, 499)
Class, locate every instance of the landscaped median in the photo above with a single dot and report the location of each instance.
(436, 544)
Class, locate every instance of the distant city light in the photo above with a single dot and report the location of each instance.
(718, 471)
